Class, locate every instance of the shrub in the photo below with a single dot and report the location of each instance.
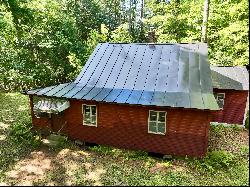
(236, 128)
(218, 130)
(20, 132)
(216, 160)
(102, 149)
(244, 151)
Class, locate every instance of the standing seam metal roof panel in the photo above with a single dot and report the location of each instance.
(176, 75)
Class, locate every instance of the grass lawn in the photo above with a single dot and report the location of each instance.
(24, 161)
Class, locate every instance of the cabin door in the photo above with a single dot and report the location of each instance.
(58, 123)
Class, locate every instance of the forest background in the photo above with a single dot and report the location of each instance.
(46, 42)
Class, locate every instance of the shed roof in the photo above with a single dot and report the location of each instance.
(230, 77)
(176, 75)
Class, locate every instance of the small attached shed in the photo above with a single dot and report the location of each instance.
(152, 97)
(231, 90)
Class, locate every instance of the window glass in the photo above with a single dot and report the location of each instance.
(153, 116)
(161, 128)
(152, 127)
(220, 99)
(93, 108)
(161, 116)
(86, 109)
(93, 119)
(220, 96)
(89, 115)
(157, 122)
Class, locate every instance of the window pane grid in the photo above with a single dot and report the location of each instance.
(220, 99)
(89, 117)
(160, 122)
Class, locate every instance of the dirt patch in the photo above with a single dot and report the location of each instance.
(31, 168)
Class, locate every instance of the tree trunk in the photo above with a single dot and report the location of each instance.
(129, 18)
(205, 19)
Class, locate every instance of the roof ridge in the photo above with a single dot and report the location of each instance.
(154, 43)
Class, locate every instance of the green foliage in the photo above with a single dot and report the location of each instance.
(43, 44)
(217, 129)
(21, 132)
(15, 125)
(236, 127)
(121, 34)
(227, 27)
(247, 121)
(106, 150)
(228, 32)
(244, 151)
(216, 160)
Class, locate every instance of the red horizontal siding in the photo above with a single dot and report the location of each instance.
(234, 107)
(126, 126)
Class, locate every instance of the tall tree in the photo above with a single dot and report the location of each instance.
(205, 19)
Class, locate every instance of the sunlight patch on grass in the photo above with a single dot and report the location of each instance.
(4, 126)
(95, 176)
(29, 169)
(3, 184)
(2, 137)
(84, 153)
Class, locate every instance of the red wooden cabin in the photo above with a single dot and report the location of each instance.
(152, 97)
(231, 89)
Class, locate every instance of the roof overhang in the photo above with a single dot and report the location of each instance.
(51, 106)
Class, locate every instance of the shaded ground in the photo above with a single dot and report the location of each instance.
(68, 164)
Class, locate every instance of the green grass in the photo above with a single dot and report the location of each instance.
(24, 161)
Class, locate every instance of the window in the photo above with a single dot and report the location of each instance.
(89, 115)
(220, 99)
(157, 122)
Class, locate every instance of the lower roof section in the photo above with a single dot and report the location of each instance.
(230, 77)
(195, 100)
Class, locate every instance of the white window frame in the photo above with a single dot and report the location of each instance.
(157, 116)
(223, 98)
(83, 113)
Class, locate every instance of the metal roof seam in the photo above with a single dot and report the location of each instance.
(68, 90)
(46, 90)
(178, 69)
(89, 63)
(91, 74)
(60, 89)
(37, 91)
(158, 69)
(109, 73)
(200, 75)
(117, 75)
(84, 72)
(173, 75)
(146, 78)
(100, 73)
(127, 75)
(136, 76)
(165, 92)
